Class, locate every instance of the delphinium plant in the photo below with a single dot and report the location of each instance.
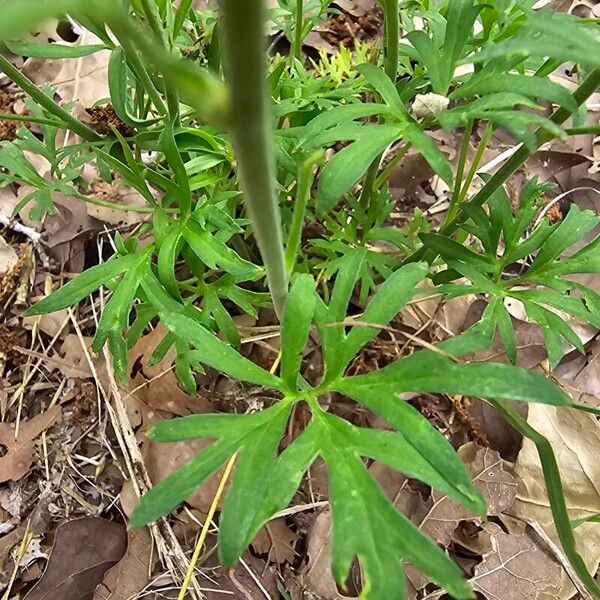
(216, 111)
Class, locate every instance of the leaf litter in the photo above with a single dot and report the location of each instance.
(101, 560)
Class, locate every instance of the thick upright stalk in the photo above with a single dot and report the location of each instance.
(50, 105)
(245, 52)
(587, 87)
(391, 14)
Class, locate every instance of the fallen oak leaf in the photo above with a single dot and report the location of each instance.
(317, 576)
(277, 541)
(575, 439)
(19, 452)
(83, 550)
(129, 576)
(441, 515)
(516, 566)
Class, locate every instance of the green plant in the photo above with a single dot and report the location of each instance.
(293, 129)
(265, 480)
(543, 277)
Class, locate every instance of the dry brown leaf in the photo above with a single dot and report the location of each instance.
(8, 202)
(18, 456)
(358, 8)
(240, 583)
(581, 376)
(516, 569)
(8, 257)
(546, 164)
(440, 516)
(131, 573)
(318, 577)
(51, 324)
(84, 79)
(499, 434)
(74, 363)
(277, 541)
(162, 459)
(409, 174)
(115, 192)
(575, 439)
(83, 550)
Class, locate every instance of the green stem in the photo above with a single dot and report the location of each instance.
(485, 139)
(556, 496)
(245, 52)
(593, 129)
(140, 70)
(392, 37)
(298, 26)
(460, 170)
(50, 105)
(29, 119)
(391, 52)
(115, 206)
(150, 10)
(369, 184)
(587, 87)
(305, 181)
(383, 176)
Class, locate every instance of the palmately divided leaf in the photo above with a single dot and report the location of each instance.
(339, 115)
(115, 316)
(233, 433)
(350, 164)
(435, 464)
(250, 484)
(389, 300)
(447, 471)
(213, 252)
(548, 34)
(385, 87)
(573, 228)
(332, 338)
(506, 82)
(210, 350)
(428, 371)
(297, 319)
(86, 283)
(384, 537)
(165, 496)
(554, 328)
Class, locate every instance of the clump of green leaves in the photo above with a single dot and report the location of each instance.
(542, 282)
(199, 256)
(265, 479)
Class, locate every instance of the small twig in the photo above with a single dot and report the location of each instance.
(292, 510)
(32, 234)
(559, 198)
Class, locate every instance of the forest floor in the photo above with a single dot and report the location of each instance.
(74, 457)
